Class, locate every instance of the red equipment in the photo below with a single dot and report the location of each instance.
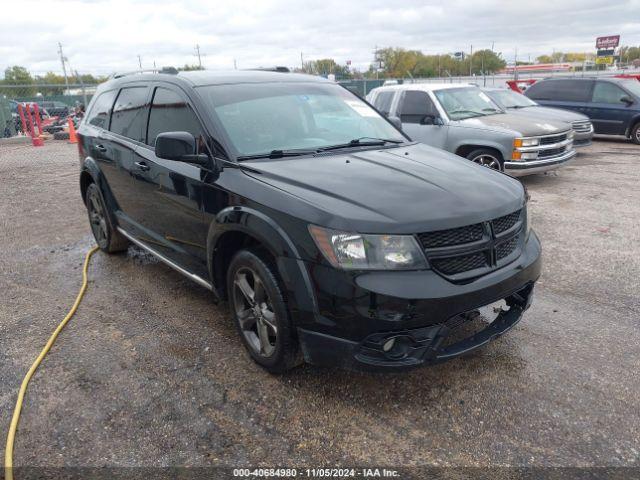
(28, 125)
(515, 84)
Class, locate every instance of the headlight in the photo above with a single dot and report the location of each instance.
(354, 251)
(525, 142)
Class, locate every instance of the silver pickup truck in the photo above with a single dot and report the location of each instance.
(462, 119)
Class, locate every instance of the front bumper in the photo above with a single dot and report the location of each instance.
(521, 168)
(419, 309)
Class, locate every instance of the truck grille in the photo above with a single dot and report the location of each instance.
(553, 139)
(581, 126)
(553, 152)
(467, 252)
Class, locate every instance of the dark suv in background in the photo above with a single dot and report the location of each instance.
(612, 104)
(334, 238)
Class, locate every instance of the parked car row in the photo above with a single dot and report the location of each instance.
(467, 121)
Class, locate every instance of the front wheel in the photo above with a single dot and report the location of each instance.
(260, 312)
(107, 237)
(487, 158)
(635, 134)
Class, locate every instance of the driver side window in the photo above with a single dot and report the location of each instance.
(415, 106)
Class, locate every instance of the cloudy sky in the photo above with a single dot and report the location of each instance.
(100, 36)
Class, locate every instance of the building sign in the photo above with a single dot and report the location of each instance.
(604, 60)
(606, 53)
(611, 41)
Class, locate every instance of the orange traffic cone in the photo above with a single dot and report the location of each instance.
(72, 132)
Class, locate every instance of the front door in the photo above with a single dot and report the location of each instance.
(421, 120)
(608, 113)
(170, 217)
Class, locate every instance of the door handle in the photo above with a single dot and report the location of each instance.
(142, 166)
(101, 148)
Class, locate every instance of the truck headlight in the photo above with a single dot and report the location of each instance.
(355, 251)
(525, 142)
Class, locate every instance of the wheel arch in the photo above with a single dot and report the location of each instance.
(465, 149)
(238, 227)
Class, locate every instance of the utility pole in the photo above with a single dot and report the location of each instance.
(471, 62)
(84, 91)
(198, 54)
(301, 62)
(140, 62)
(64, 67)
(515, 65)
(235, 65)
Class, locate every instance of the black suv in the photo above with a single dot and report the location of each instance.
(334, 238)
(612, 104)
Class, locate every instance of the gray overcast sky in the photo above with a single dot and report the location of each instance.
(103, 36)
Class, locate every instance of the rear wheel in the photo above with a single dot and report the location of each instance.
(260, 312)
(107, 237)
(635, 133)
(487, 158)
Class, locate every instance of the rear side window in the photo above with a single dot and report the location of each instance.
(129, 113)
(101, 109)
(170, 113)
(605, 92)
(415, 106)
(561, 90)
(383, 102)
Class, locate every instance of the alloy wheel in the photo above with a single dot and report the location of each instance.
(254, 312)
(488, 161)
(97, 219)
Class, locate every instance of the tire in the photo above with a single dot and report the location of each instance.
(635, 134)
(61, 136)
(487, 158)
(107, 237)
(260, 312)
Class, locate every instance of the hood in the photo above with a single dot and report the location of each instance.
(538, 111)
(405, 189)
(522, 126)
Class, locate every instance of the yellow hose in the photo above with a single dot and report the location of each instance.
(8, 454)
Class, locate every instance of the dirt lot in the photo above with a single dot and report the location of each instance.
(151, 373)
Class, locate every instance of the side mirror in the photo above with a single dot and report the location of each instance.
(431, 120)
(179, 146)
(396, 122)
(626, 99)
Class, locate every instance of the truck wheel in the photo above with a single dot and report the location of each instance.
(61, 136)
(107, 237)
(260, 312)
(635, 134)
(487, 158)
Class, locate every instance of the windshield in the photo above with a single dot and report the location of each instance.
(510, 99)
(633, 86)
(264, 117)
(466, 102)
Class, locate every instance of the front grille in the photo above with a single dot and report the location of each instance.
(462, 263)
(470, 251)
(502, 224)
(553, 139)
(505, 249)
(553, 152)
(581, 126)
(452, 236)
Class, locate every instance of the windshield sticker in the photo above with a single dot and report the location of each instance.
(361, 109)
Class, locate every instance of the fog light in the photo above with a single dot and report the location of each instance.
(388, 345)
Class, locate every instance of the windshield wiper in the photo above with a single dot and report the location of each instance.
(472, 112)
(494, 110)
(359, 142)
(276, 154)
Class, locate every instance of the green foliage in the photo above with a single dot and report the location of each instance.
(326, 66)
(190, 68)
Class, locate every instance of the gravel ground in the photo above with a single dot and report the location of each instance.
(151, 373)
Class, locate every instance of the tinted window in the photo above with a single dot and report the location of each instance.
(605, 92)
(101, 110)
(383, 102)
(561, 90)
(170, 113)
(129, 113)
(415, 105)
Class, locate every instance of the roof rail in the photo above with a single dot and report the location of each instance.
(167, 70)
(271, 69)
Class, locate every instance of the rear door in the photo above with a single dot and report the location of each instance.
(418, 111)
(169, 213)
(125, 133)
(608, 113)
(573, 94)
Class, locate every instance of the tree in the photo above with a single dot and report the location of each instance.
(189, 68)
(326, 66)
